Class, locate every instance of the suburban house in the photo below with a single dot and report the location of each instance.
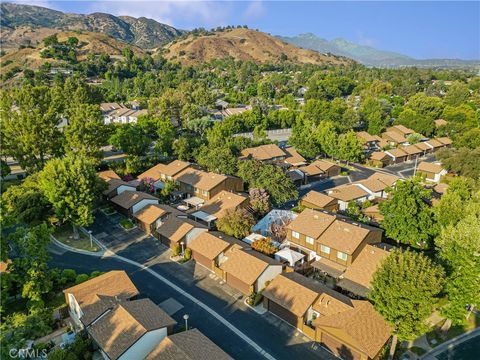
(434, 144)
(119, 113)
(248, 271)
(208, 249)
(440, 122)
(153, 215)
(316, 200)
(269, 153)
(178, 229)
(216, 207)
(380, 159)
(312, 307)
(187, 345)
(129, 202)
(200, 186)
(431, 171)
(394, 138)
(108, 174)
(377, 184)
(373, 213)
(413, 151)
(358, 276)
(346, 193)
(294, 159)
(294, 298)
(163, 172)
(116, 187)
(320, 169)
(297, 176)
(424, 148)
(131, 330)
(397, 155)
(91, 299)
(369, 142)
(402, 130)
(329, 239)
(357, 332)
(445, 141)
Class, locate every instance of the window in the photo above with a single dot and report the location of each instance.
(205, 193)
(296, 235)
(197, 190)
(325, 249)
(342, 256)
(309, 240)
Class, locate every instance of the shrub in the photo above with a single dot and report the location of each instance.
(95, 274)
(126, 224)
(264, 246)
(69, 274)
(188, 254)
(176, 250)
(81, 278)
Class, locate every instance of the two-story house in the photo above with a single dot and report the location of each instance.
(153, 216)
(164, 172)
(269, 153)
(200, 186)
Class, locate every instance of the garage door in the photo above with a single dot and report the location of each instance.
(339, 349)
(202, 260)
(238, 284)
(282, 313)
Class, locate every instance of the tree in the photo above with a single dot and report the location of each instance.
(25, 204)
(350, 147)
(327, 138)
(4, 169)
(32, 265)
(404, 291)
(85, 132)
(463, 161)
(462, 114)
(166, 135)
(458, 249)
(181, 148)
(421, 124)
(236, 222)
(457, 94)
(430, 107)
(220, 160)
(259, 202)
(407, 217)
(373, 115)
(28, 125)
(303, 138)
(131, 139)
(266, 90)
(71, 185)
(269, 177)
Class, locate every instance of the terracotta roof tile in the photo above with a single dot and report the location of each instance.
(150, 213)
(435, 143)
(222, 202)
(343, 236)
(293, 157)
(430, 167)
(365, 136)
(422, 146)
(347, 192)
(401, 129)
(396, 152)
(209, 245)
(379, 155)
(394, 136)
(317, 167)
(108, 174)
(412, 149)
(200, 179)
(444, 140)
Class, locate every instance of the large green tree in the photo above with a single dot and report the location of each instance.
(350, 147)
(85, 132)
(404, 291)
(459, 250)
(457, 94)
(420, 123)
(29, 120)
(463, 161)
(430, 107)
(219, 159)
(131, 139)
(269, 177)
(408, 218)
(373, 115)
(71, 185)
(236, 222)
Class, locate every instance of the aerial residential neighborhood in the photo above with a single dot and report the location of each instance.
(302, 185)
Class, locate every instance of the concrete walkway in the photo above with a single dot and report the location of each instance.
(431, 355)
(107, 253)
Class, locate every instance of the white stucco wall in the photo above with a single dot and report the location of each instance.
(123, 188)
(268, 275)
(144, 345)
(141, 204)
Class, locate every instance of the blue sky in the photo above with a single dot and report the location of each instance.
(421, 29)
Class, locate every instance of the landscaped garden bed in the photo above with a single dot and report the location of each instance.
(108, 210)
(64, 234)
(127, 224)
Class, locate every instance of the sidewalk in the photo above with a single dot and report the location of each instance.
(431, 355)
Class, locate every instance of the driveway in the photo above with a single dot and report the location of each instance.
(275, 336)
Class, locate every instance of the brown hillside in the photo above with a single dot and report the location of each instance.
(244, 44)
(90, 43)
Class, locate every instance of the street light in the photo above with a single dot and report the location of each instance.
(91, 239)
(185, 317)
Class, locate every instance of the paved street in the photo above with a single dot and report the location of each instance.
(274, 336)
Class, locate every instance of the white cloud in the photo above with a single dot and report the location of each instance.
(255, 9)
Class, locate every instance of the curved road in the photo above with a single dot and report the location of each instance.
(239, 331)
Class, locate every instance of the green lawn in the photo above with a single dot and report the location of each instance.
(64, 234)
(126, 224)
